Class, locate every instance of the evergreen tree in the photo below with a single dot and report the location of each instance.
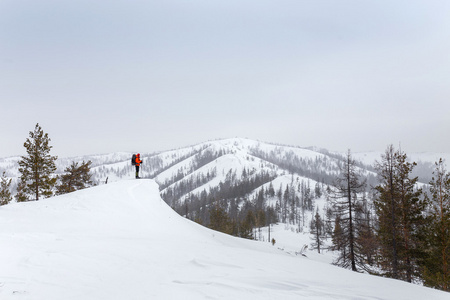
(437, 264)
(271, 218)
(219, 219)
(338, 238)
(38, 167)
(347, 187)
(318, 231)
(317, 190)
(329, 221)
(366, 241)
(20, 195)
(76, 178)
(5, 193)
(247, 225)
(285, 204)
(260, 221)
(260, 200)
(386, 210)
(400, 210)
(271, 190)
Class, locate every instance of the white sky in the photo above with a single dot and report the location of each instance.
(104, 76)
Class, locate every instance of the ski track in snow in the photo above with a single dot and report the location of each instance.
(121, 241)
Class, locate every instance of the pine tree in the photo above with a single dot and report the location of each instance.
(317, 190)
(347, 187)
(328, 221)
(246, 226)
(318, 231)
(437, 265)
(5, 193)
(271, 218)
(219, 219)
(338, 238)
(366, 241)
(413, 206)
(20, 194)
(285, 204)
(271, 190)
(386, 210)
(38, 167)
(260, 221)
(76, 178)
(400, 209)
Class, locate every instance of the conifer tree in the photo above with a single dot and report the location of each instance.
(386, 209)
(366, 241)
(437, 264)
(400, 210)
(318, 231)
(285, 204)
(75, 178)
(20, 195)
(271, 218)
(5, 193)
(317, 190)
(271, 190)
(260, 220)
(338, 238)
(246, 226)
(38, 167)
(347, 187)
(219, 219)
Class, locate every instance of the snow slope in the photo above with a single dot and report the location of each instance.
(121, 241)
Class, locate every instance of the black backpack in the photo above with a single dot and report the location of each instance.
(133, 160)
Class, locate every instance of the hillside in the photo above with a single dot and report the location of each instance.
(121, 241)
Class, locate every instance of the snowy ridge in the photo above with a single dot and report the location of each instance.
(116, 166)
(121, 241)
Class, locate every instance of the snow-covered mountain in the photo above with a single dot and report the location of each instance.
(235, 153)
(213, 159)
(233, 168)
(121, 241)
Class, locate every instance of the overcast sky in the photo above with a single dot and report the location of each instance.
(141, 75)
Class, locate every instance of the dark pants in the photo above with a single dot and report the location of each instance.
(137, 171)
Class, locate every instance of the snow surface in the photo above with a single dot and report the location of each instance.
(121, 241)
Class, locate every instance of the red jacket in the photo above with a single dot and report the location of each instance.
(138, 161)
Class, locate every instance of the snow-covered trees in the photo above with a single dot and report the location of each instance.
(37, 168)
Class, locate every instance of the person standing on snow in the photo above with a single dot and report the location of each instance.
(138, 163)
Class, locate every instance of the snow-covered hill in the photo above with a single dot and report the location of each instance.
(121, 241)
(234, 153)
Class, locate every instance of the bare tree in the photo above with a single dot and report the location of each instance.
(347, 186)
